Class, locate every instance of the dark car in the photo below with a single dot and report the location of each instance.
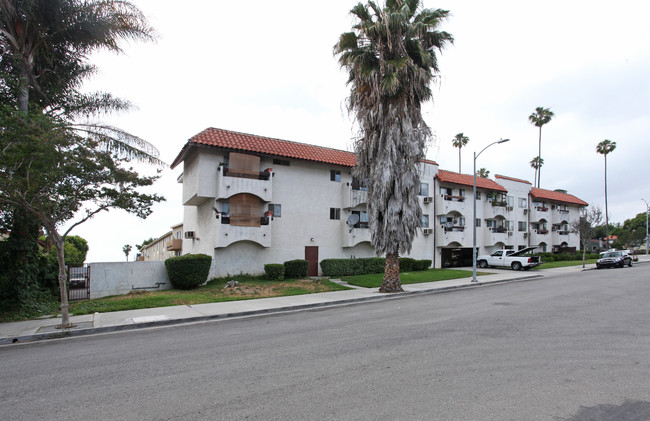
(614, 259)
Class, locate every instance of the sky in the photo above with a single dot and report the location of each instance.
(268, 69)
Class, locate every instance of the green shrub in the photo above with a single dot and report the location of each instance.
(422, 264)
(189, 271)
(347, 267)
(296, 268)
(274, 271)
(406, 264)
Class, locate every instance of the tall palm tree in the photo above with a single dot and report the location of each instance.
(540, 117)
(603, 148)
(390, 56)
(459, 141)
(483, 173)
(537, 163)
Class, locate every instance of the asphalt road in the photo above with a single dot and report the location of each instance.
(559, 348)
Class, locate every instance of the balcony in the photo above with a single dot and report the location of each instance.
(229, 234)
(353, 196)
(450, 204)
(175, 245)
(452, 234)
(231, 183)
(353, 236)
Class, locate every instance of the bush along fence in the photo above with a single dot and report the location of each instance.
(362, 266)
(188, 271)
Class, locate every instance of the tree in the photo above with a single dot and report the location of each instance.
(126, 249)
(585, 227)
(483, 173)
(390, 56)
(62, 178)
(537, 163)
(604, 148)
(540, 117)
(459, 141)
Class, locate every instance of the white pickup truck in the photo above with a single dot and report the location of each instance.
(509, 258)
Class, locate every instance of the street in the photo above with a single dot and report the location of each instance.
(558, 348)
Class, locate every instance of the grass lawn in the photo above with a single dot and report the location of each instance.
(564, 263)
(374, 280)
(214, 291)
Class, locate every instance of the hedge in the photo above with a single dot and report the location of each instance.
(364, 265)
(296, 268)
(189, 271)
(274, 271)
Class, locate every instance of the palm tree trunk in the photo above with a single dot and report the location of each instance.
(392, 282)
(459, 171)
(606, 212)
(539, 171)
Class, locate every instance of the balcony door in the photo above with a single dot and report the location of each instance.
(311, 255)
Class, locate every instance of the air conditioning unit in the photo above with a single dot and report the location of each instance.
(509, 233)
(525, 211)
(509, 208)
(525, 235)
(189, 234)
(427, 231)
(428, 199)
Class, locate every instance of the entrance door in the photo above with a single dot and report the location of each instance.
(311, 255)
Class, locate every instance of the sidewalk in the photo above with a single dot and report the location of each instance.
(41, 329)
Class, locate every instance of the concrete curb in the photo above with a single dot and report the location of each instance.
(70, 333)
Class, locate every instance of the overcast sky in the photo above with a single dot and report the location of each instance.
(267, 68)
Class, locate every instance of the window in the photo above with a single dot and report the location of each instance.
(522, 226)
(335, 213)
(363, 219)
(445, 192)
(361, 185)
(523, 203)
(510, 201)
(276, 209)
(424, 189)
(424, 223)
(478, 222)
(491, 223)
(521, 247)
(461, 192)
(478, 195)
(335, 175)
(283, 162)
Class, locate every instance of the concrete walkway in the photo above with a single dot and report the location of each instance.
(41, 329)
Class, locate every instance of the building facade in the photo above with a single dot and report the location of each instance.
(168, 245)
(252, 200)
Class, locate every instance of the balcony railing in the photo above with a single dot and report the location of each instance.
(264, 220)
(542, 208)
(262, 175)
(450, 197)
(501, 203)
(175, 244)
(542, 231)
(458, 228)
(498, 229)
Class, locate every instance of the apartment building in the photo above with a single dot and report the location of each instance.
(251, 200)
(162, 248)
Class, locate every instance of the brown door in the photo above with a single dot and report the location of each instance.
(311, 255)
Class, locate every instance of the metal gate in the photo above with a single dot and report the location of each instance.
(78, 283)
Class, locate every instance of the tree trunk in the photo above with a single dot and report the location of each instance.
(392, 281)
(539, 171)
(459, 171)
(584, 252)
(606, 212)
(63, 279)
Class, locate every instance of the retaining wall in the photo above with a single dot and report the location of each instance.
(116, 278)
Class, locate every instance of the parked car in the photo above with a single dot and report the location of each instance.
(614, 259)
(510, 258)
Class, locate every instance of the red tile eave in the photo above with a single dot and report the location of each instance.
(468, 180)
(554, 196)
(235, 141)
(512, 179)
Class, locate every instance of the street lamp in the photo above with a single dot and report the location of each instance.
(476, 155)
(647, 233)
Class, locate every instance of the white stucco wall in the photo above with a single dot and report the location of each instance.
(116, 278)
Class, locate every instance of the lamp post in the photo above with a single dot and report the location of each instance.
(476, 155)
(647, 233)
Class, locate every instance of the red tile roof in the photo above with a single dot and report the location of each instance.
(268, 146)
(511, 179)
(468, 180)
(556, 196)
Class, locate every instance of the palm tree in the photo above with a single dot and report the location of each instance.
(127, 250)
(46, 45)
(483, 173)
(540, 117)
(603, 148)
(390, 56)
(459, 141)
(537, 163)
